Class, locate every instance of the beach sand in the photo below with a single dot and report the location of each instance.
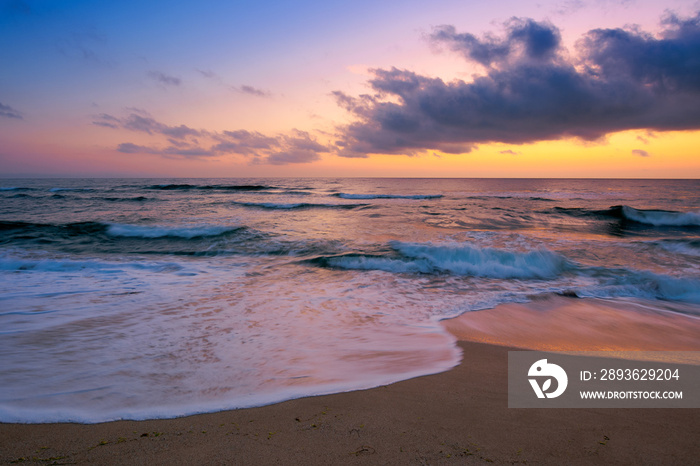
(457, 417)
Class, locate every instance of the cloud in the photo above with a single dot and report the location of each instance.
(532, 90)
(292, 156)
(245, 89)
(182, 150)
(667, 64)
(244, 142)
(568, 7)
(184, 142)
(641, 153)
(88, 45)
(295, 147)
(9, 112)
(207, 73)
(525, 38)
(142, 123)
(129, 148)
(645, 138)
(509, 152)
(107, 121)
(164, 79)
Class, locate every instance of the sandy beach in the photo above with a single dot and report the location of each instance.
(457, 417)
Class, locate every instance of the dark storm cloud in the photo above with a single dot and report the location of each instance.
(524, 37)
(9, 112)
(531, 91)
(670, 63)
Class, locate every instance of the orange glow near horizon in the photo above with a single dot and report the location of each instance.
(670, 155)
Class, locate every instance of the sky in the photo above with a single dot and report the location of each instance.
(411, 88)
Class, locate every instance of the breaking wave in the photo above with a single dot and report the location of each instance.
(457, 259)
(660, 218)
(657, 218)
(613, 283)
(81, 235)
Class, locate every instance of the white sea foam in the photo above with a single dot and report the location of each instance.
(459, 259)
(143, 345)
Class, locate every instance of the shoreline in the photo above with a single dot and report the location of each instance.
(559, 323)
(458, 416)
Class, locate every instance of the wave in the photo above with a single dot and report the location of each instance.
(387, 196)
(186, 187)
(486, 197)
(457, 259)
(284, 193)
(124, 199)
(46, 233)
(76, 228)
(18, 264)
(298, 205)
(686, 247)
(612, 212)
(624, 213)
(15, 188)
(128, 239)
(614, 283)
(661, 218)
(56, 190)
(143, 231)
(671, 288)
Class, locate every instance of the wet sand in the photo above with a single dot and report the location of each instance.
(457, 417)
(555, 323)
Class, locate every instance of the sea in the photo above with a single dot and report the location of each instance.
(158, 298)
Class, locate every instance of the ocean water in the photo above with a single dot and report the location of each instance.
(147, 298)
